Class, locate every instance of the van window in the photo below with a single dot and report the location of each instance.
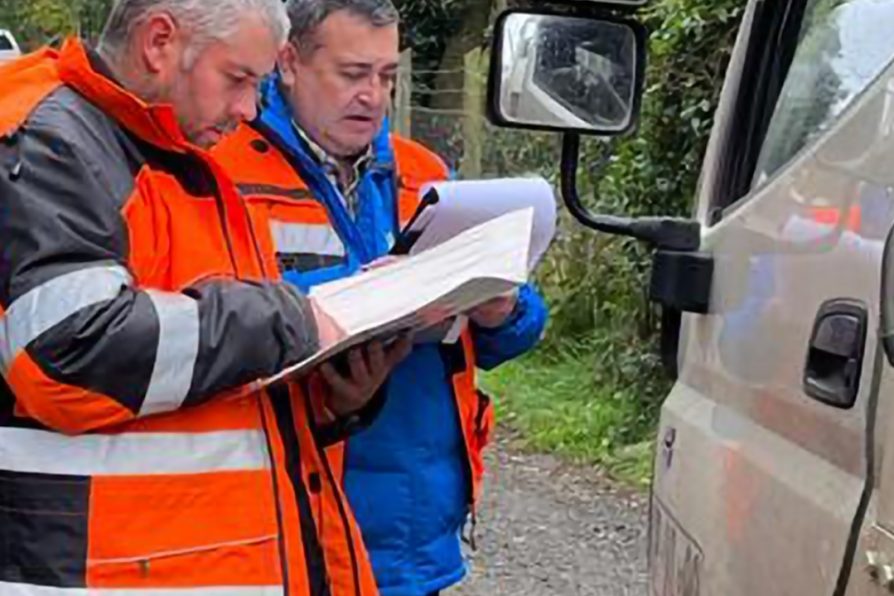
(5, 42)
(843, 46)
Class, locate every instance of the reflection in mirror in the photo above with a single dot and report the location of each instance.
(568, 72)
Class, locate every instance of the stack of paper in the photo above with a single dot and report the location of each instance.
(464, 253)
(449, 208)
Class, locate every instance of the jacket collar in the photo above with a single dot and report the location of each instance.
(155, 124)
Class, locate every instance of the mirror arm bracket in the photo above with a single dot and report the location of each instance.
(667, 233)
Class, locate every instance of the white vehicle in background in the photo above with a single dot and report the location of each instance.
(9, 49)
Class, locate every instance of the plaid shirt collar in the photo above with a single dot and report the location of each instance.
(332, 168)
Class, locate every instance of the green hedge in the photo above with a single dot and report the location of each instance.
(603, 328)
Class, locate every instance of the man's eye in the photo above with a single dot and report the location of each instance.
(354, 75)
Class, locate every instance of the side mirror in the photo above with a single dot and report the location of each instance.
(568, 73)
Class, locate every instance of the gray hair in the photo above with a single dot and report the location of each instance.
(208, 20)
(306, 15)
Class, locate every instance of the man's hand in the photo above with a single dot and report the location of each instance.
(494, 312)
(369, 366)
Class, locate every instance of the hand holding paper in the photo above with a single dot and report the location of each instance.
(494, 312)
(366, 369)
(462, 259)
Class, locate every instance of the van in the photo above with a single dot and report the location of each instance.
(9, 49)
(774, 472)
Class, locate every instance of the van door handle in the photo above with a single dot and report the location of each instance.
(835, 357)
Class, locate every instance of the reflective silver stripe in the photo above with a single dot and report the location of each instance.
(8, 589)
(42, 452)
(298, 238)
(47, 305)
(175, 358)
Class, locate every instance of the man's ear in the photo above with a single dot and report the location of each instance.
(286, 63)
(161, 43)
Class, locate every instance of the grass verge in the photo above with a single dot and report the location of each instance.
(560, 404)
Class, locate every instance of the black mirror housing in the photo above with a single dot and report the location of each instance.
(580, 71)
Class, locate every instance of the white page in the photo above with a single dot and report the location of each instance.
(491, 250)
(465, 204)
(414, 293)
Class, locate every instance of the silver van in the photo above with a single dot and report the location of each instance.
(774, 474)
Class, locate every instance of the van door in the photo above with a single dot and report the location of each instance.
(761, 480)
(872, 570)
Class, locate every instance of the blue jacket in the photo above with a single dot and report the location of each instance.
(406, 475)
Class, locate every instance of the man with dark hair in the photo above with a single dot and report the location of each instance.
(330, 189)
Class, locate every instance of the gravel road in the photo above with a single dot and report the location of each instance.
(550, 529)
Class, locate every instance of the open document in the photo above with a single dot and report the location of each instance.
(415, 293)
(448, 208)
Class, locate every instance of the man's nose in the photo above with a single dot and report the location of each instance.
(246, 106)
(374, 93)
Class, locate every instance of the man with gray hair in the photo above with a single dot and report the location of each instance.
(210, 89)
(331, 189)
(138, 454)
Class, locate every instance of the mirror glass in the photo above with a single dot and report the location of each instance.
(565, 72)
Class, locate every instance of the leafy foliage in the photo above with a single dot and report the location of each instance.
(604, 330)
(654, 172)
(598, 284)
(428, 24)
(37, 22)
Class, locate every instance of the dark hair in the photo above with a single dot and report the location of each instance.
(306, 15)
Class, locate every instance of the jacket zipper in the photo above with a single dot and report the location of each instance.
(248, 223)
(314, 557)
(254, 239)
(283, 555)
(330, 476)
(221, 211)
(145, 560)
(450, 354)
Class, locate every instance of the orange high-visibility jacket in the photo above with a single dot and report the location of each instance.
(135, 307)
(284, 209)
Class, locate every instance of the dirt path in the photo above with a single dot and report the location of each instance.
(549, 529)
